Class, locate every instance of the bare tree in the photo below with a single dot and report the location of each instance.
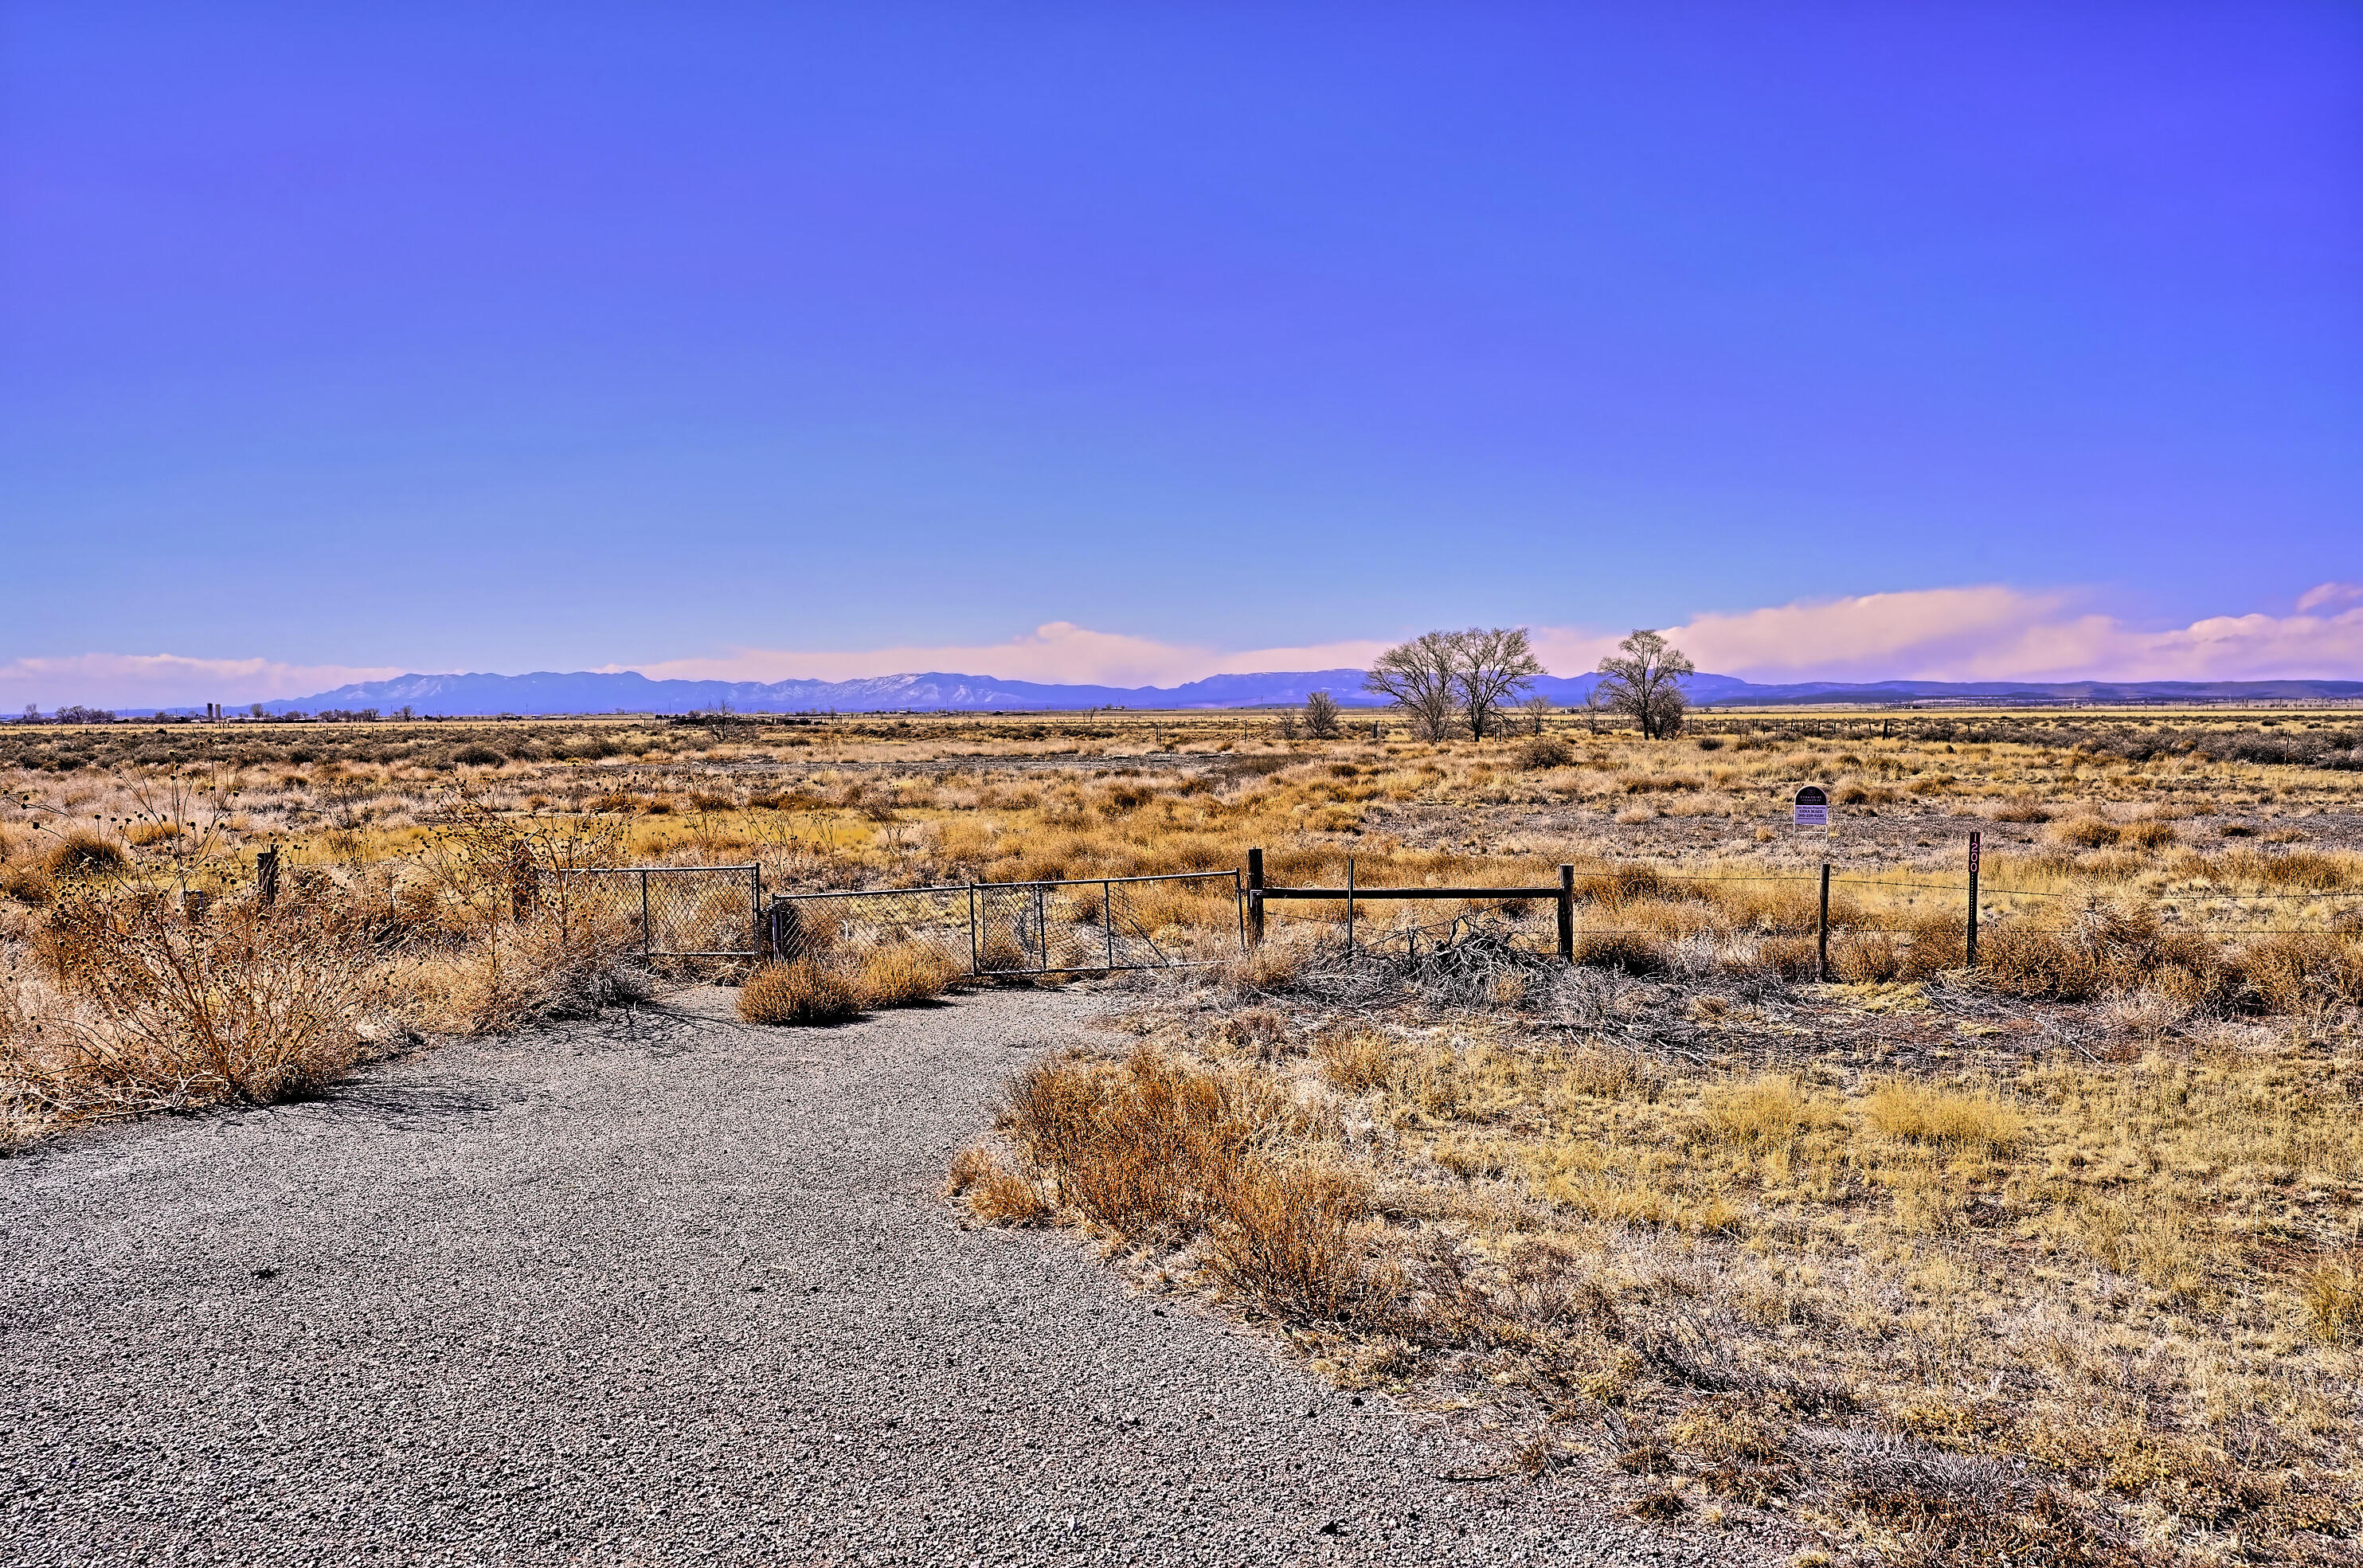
(1491, 666)
(1423, 677)
(1321, 715)
(1288, 723)
(1538, 708)
(1643, 681)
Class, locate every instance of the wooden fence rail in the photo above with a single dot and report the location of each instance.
(1563, 894)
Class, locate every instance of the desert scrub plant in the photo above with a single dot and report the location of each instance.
(802, 992)
(242, 1002)
(2103, 948)
(981, 1177)
(493, 977)
(1164, 1151)
(904, 974)
(1545, 751)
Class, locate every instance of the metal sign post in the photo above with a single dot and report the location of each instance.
(1977, 849)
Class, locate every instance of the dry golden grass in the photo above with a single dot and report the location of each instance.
(906, 974)
(1154, 1150)
(802, 992)
(2050, 1309)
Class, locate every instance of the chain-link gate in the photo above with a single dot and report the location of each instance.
(1024, 928)
(831, 927)
(678, 911)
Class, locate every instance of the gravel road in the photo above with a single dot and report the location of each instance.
(662, 1288)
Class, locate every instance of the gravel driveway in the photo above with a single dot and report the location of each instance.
(663, 1289)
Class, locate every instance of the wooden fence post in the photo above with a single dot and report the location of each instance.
(1255, 896)
(1567, 913)
(266, 877)
(1825, 960)
(1977, 845)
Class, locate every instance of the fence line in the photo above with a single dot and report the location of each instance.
(1072, 925)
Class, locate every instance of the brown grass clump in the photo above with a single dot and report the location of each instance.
(801, 992)
(2292, 972)
(81, 853)
(491, 977)
(1289, 1237)
(2334, 1299)
(28, 885)
(2087, 833)
(1540, 752)
(1159, 1150)
(993, 1192)
(1629, 951)
(905, 974)
(1760, 1113)
(1928, 1113)
(1928, 947)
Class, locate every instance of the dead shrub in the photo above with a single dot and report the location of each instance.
(2088, 833)
(1139, 1148)
(1791, 957)
(981, 1178)
(489, 977)
(1865, 957)
(1160, 1150)
(2104, 948)
(802, 992)
(2292, 972)
(1540, 752)
(1285, 1237)
(250, 1003)
(81, 853)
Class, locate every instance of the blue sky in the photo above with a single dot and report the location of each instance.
(1141, 341)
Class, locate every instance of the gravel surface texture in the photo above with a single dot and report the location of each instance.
(663, 1289)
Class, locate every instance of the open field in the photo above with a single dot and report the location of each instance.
(2059, 1259)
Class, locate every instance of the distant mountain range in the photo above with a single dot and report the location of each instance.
(476, 696)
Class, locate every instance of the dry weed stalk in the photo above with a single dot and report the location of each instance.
(240, 1002)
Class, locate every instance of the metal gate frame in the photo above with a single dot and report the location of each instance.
(975, 892)
(1107, 884)
(756, 924)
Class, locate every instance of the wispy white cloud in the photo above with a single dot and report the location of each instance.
(2321, 596)
(164, 681)
(1059, 651)
(2005, 634)
(1984, 632)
